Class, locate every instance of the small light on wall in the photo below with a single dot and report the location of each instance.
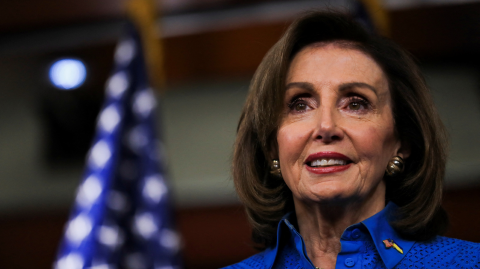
(67, 74)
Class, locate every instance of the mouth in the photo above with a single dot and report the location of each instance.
(327, 162)
(324, 162)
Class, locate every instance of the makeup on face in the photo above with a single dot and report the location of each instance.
(337, 131)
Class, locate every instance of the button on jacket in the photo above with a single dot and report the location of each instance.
(372, 243)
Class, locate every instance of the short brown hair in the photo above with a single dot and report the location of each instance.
(418, 191)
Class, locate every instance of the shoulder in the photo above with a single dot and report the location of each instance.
(254, 262)
(446, 245)
(443, 252)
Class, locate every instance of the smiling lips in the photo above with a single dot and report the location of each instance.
(327, 162)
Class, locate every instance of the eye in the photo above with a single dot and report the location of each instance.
(298, 104)
(354, 105)
(300, 107)
(357, 104)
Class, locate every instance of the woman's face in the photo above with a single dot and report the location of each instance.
(337, 133)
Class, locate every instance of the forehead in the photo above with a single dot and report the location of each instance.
(334, 63)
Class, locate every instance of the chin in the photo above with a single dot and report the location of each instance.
(331, 192)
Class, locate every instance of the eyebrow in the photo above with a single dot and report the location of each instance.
(345, 86)
(302, 85)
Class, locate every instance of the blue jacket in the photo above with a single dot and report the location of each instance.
(363, 247)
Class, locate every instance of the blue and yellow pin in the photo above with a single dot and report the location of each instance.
(389, 243)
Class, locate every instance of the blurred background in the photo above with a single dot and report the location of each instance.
(210, 50)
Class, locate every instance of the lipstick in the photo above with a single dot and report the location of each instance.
(327, 169)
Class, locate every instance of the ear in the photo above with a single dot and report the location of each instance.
(403, 149)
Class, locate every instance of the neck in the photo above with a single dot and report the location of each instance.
(322, 225)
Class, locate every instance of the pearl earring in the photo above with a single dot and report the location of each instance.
(275, 168)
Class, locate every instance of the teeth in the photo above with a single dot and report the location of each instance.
(327, 162)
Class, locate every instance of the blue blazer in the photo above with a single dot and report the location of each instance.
(372, 243)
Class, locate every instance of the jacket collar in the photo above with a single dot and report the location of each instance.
(378, 226)
(285, 227)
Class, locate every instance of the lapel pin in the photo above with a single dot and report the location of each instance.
(389, 243)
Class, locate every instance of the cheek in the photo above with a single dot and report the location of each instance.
(292, 139)
(376, 142)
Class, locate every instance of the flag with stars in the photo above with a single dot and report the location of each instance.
(122, 217)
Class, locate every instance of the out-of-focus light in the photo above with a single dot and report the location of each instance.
(67, 74)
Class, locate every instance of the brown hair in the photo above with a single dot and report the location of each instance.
(417, 191)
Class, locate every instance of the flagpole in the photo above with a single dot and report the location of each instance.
(144, 14)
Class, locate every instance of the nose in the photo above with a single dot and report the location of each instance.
(327, 127)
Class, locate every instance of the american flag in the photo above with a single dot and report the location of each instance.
(122, 215)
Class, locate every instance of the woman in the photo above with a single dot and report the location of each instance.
(340, 155)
